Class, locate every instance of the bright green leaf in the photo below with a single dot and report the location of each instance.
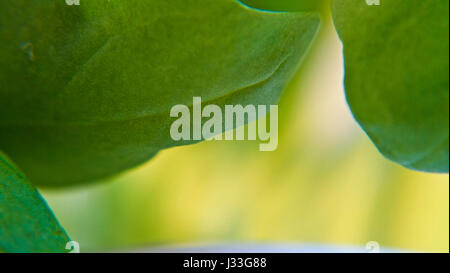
(286, 5)
(26, 222)
(396, 76)
(85, 91)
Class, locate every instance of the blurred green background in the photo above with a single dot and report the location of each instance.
(326, 183)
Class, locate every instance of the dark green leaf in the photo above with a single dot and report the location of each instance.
(26, 222)
(86, 91)
(396, 63)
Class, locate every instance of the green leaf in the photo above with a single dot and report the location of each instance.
(26, 222)
(286, 5)
(396, 76)
(86, 91)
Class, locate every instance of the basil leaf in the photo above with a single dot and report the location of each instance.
(286, 5)
(86, 91)
(26, 222)
(396, 76)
